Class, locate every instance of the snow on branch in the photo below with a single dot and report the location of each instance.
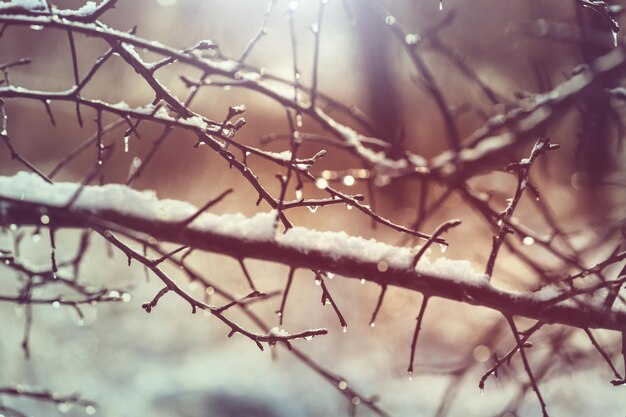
(26, 198)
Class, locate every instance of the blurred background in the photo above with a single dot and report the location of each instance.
(172, 363)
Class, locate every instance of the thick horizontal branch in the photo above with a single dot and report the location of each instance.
(25, 197)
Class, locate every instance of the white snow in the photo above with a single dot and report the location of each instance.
(26, 4)
(261, 227)
(283, 156)
(122, 105)
(277, 332)
(196, 121)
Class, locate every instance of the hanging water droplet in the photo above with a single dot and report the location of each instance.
(36, 27)
(482, 392)
(44, 219)
(312, 209)
(293, 5)
(90, 410)
(342, 385)
(330, 275)
(440, 4)
(528, 240)
(348, 180)
(615, 39)
(56, 304)
(308, 338)
(321, 183)
(318, 281)
(345, 329)
(410, 375)
(298, 193)
(442, 248)
(390, 20)
(372, 324)
(349, 206)
(362, 281)
(126, 140)
(411, 38)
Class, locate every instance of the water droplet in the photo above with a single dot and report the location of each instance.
(36, 237)
(114, 294)
(390, 20)
(482, 392)
(615, 39)
(126, 140)
(321, 183)
(299, 119)
(382, 266)
(442, 248)
(342, 385)
(56, 304)
(372, 324)
(126, 297)
(308, 338)
(330, 275)
(312, 209)
(362, 281)
(298, 193)
(348, 180)
(440, 4)
(13, 227)
(411, 39)
(318, 281)
(90, 410)
(293, 5)
(410, 375)
(528, 240)
(36, 27)
(349, 206)
(345, 329)
(356, 400)
(44, 219)
(210, 290)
